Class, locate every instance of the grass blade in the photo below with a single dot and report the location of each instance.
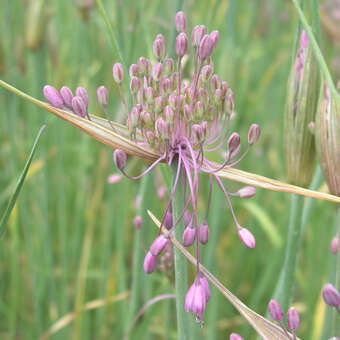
(19, 185)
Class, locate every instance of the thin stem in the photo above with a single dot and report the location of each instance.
(181, 282)
(284, 288)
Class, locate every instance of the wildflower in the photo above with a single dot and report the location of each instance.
(181, 121)
(275, 310)
(293, 319)
(330, 295)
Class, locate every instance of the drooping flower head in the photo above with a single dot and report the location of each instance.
(182, 119)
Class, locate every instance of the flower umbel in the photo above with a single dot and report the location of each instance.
(181, 119)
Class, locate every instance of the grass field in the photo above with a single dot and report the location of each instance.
(70, 238)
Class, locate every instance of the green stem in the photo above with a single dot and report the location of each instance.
(137, 271)
(316, 19)
(284, 288)
(181, 282)
(336, 269)
(318, 54)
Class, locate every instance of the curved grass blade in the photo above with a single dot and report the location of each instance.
(19, 184)
(265, 328)
(99, 129)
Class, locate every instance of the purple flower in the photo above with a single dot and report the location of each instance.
(196, 299)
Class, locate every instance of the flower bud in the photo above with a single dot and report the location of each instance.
(235, 336)
(102, 95)
(253, 134)
(81, 92)
(195, 299)
(149, 94)
(301, 104)
(275, 310)
(118, 73)
(159, 49)
(169, 114)
(233, 143)
(189, 236)
(215, 36)
(134, 85)
(164, 86)
(53, 96)
(246, 192)
(168, 221)
(181, 44)
(197, 132)
(293, 319)
(215, 82)
(157, 71)
(158, 245)
(162, 128)
(206, 47)
(327, 132)
(199, 110)
(204, 282)
(188, 114)
(67, 96)
(180, 22)
(246, 237)
(150, 263)
(197, 34)
(79, 106)
(331, 295)
(137, 222)
(203, 233)
(168, 65)
(119, 158)
(335, 245)
(133, 70)
(206, 72)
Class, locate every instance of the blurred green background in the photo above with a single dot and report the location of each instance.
(70, 239)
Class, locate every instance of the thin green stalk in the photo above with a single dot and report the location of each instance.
(181, 280)
(284, 288)
(137, 270)
(316, 19)
(336, 269)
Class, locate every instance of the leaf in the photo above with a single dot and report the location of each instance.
(99, 129)
(19, 184)
(265, 328)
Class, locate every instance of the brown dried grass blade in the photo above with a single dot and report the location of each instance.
(265, 328)
(99, 129)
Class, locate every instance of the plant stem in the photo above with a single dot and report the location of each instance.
(284, 288)
(181, 282)
(137, 271)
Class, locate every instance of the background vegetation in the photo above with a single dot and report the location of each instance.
(70, 238)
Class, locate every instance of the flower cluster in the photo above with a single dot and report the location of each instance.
(181, 118)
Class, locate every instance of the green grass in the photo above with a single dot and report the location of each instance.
(70, 238)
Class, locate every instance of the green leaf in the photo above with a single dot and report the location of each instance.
(19, 184)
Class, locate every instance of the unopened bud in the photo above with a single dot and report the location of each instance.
(203, 233)
(246, 237)
(189, 236)
(157, 71)
(246, 192)
(188, 114)
(150, 263)
(118, 73)
(206, 72)
(197, 132)
(169, 114)
(253, 134)
(168, 220)
(158, 245)
(215, 36)
(275, 310)
(81, 92)
(67, 96)
(168, 66)
(235, 336)
(199, 110)
(180, 22)
(134, 70)
(102, 95)
(134, 85)
(293, 319)
(79, 106)
(331, 295)
(149, 94)
(162, 128)
(119, 158)
(137, 222)
(159, 49)
(233, 143)
(215, 82)
(181, 44)
(335, 245)
(197, 34)
(53, 96)
(206, 47)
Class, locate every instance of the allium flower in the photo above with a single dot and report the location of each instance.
(177, 121)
